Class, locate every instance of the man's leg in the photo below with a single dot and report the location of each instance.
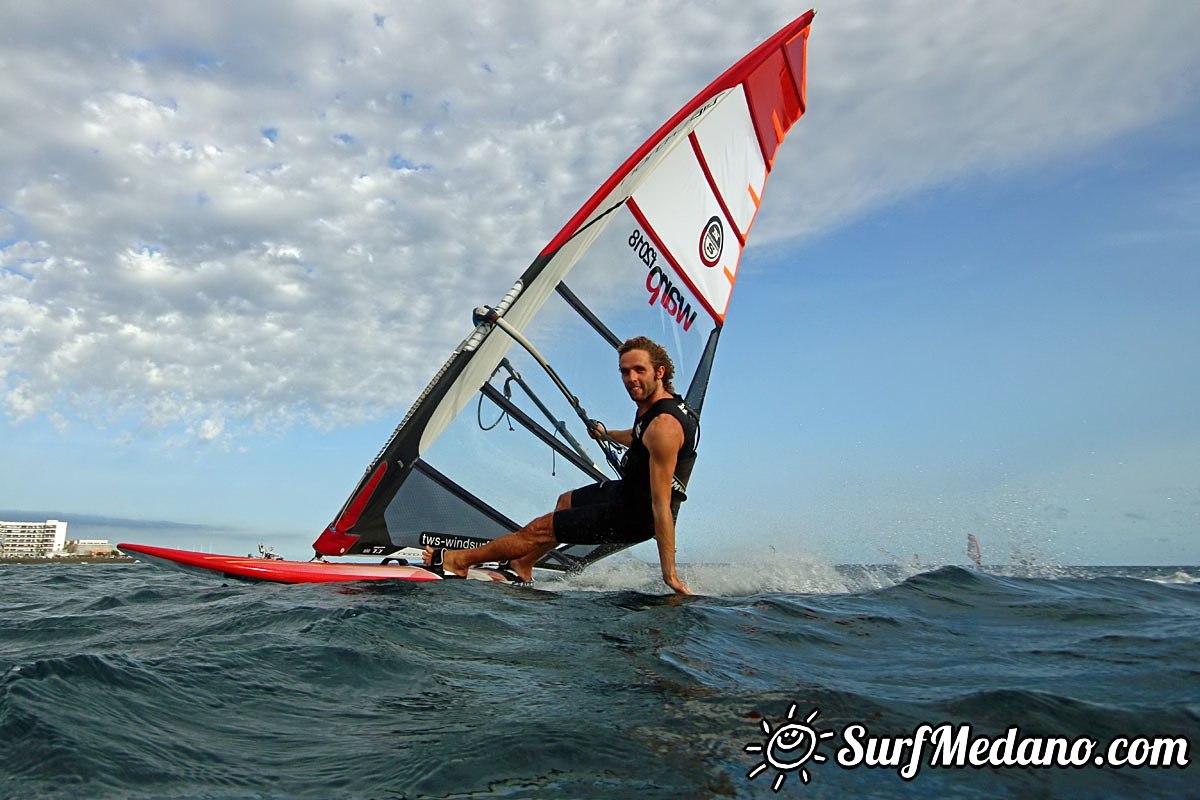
(537, 535)
(523, 565)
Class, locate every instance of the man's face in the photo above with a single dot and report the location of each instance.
(641, 379)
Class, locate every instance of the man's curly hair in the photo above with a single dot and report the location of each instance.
(658, 357)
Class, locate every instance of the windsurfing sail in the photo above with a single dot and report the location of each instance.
(973, 550)
(493, 440)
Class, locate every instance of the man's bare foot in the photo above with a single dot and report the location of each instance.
(523, 567)
(450, 561)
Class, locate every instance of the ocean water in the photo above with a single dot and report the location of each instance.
(130, 681)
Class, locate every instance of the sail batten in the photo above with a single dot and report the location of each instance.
(513, 410)
(589, 315)
(654, 251)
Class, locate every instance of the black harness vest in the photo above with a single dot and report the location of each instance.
(637, 459)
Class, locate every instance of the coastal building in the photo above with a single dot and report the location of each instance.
(32, 539)
(89, 547)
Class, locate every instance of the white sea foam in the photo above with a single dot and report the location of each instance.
(1179, 577)
(773, 572)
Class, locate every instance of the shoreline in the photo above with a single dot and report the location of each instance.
(70, 560)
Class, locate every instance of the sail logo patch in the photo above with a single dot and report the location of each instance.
(661, 288)
(451, 542)
(712, 242)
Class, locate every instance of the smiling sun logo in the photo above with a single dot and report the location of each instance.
(789, 747)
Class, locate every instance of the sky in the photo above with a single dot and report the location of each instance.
(237, 239)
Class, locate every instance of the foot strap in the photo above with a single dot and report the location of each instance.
(437, 565)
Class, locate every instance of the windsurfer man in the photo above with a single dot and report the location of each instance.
(643, 505)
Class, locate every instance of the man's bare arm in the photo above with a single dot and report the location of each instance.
(663, 438)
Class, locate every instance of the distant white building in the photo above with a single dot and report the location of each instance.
(88, 547)
(32, 539)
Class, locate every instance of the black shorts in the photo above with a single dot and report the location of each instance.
(604, 513)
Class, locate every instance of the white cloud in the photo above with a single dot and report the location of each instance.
(250, 215)
(912, 95)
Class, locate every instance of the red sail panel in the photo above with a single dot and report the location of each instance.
(774, 103)
(334, 541)
(797, 55)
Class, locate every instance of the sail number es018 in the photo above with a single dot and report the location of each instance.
(661, 288)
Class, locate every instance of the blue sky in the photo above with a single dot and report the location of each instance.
(968, 304)
(1014, 358)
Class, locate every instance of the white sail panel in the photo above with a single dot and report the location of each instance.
(681, 212)
(734, 158)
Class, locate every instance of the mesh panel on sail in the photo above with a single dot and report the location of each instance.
(428, 502)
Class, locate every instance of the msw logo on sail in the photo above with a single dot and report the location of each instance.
(661, 288)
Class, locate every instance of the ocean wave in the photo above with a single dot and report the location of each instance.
(131, 683)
